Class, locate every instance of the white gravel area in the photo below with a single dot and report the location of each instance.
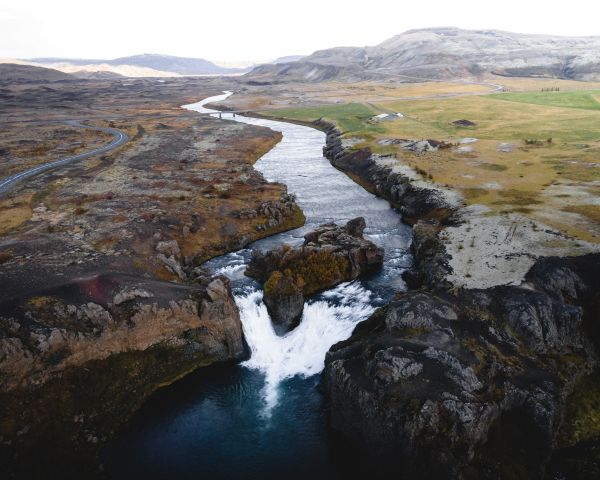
(463, 150)
(494, 249)
(499, 249)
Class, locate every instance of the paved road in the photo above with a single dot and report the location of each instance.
(7, 183)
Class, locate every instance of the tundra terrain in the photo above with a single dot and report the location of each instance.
(102, 300)
(101, 260)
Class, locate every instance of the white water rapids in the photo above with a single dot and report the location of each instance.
(324, 194)
(301, 351)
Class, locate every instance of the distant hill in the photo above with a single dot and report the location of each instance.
(306, 71)
(15, 73)
(143, 65)
(71, 61)
(180, 65)
(444, 53)
(96, 75)
(288, 58)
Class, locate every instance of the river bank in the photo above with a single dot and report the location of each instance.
(385, 385)
(377, 379)
(529, 180)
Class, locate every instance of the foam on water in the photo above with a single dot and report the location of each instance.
(301, 351)
(233, 272)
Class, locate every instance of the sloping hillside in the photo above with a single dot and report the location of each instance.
(12, 72)
(444, 53)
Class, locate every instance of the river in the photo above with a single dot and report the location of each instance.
(265, 417)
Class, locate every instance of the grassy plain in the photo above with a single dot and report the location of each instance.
(587, 100)
(273, 97)
(522, 84)
(537, 153)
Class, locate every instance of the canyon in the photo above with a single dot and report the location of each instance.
(367, 261)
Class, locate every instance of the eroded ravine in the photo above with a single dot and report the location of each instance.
(265, 417)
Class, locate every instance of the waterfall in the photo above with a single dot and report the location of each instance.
(325, 321)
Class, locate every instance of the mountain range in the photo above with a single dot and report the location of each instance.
(147, 64)
(445, 53)
(431, 54)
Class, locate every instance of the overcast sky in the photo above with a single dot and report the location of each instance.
(234, 30)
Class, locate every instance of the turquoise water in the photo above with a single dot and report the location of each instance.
(210, 426)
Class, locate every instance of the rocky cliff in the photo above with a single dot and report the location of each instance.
(426, 209)
(78, 359)
(448, 383)
(470, 384)
(415, 203)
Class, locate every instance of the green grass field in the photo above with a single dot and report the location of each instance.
(567, 117)
(499, 119)
(349, 117)
(586, 99)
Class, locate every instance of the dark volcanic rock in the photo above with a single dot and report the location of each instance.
(415, 203)
(467, 385)
(431, 265)
(92, 318)
(463, 123)
(285, 300)
(425, 209)
(330, 255)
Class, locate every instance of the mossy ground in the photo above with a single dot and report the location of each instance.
(578, 445)
(586, 99)
(24, 148)
(582, 418)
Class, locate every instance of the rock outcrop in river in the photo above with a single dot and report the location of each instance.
(471, 384)
(330, 255)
